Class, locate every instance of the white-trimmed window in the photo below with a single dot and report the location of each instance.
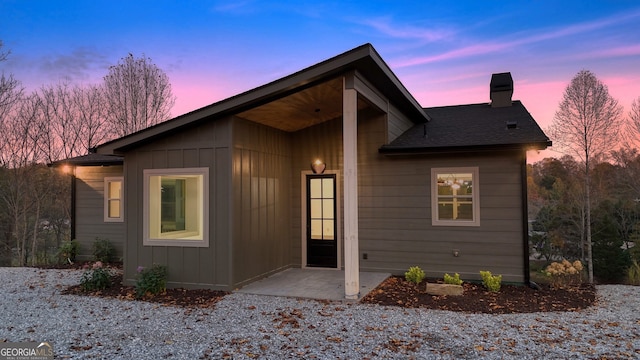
(113, 199)
(176, 207)
(455, 199)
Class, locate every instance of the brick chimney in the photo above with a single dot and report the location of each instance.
(501, 89)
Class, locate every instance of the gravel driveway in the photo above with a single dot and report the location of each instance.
(250, 326)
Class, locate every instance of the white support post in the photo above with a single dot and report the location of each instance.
(350, 191)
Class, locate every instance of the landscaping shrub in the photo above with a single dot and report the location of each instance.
(414, 275)
(151, 280)
(103, 250)
(491, 282)
(95, 278)
(633, 273)
(454, 280)
(68, 251)
(564, 273)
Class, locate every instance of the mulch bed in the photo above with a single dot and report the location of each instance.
(395, 291)
(193, 298)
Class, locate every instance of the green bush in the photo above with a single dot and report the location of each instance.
(414, 275)
(633, 273)
(103, 250)
(454, 280)
(95, 278)
(68, 251)
(151, 280)
(491, 282)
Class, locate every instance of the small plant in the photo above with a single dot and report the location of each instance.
(151, 280)
(96, 277)
(564, 273)
(103, 250)
(414, 275)
(491, 282)
(633, 273)
(454, 280)
(68, 251)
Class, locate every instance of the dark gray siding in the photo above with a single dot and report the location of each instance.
(206, 145)
(90, 222)
(395, 217)
(261, 201)
(395, 205)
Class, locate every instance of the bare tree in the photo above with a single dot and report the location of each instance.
(57, 123)
(586, 126)
(11, 91)
(89, 105)
(138, 95)
(633, 124)
(20, 153)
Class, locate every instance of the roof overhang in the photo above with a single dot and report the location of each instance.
(317, 79)
(91, 159)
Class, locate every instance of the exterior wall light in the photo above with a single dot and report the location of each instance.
(318, 167)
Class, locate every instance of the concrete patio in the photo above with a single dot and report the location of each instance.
(318, 284)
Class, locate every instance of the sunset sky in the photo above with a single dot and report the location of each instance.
(443, 51)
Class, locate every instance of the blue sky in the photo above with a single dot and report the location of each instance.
(443, 51)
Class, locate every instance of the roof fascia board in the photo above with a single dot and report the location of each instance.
(396, 82)
(385, 150)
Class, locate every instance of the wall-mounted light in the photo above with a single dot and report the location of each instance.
(318, 167)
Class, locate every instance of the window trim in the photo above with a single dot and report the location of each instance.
(107, 199)
(173, 239)
(475, 196)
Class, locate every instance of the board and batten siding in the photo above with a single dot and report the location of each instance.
(395, 217)
(205, 145)
(90, 223)
(261, 197)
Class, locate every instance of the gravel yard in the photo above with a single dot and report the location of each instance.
(248, 326)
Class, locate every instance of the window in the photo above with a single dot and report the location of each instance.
(176, 203)
(113, 196)
(454, 197)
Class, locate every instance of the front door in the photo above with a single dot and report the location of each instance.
(322, 244)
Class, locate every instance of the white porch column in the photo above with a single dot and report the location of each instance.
(350, 190)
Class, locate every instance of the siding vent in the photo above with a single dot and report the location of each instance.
(501, 89)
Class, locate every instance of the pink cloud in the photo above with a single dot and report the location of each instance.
(408, 32)
(488, 47)
(631, 50)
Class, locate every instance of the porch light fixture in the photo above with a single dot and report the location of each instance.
(318, 167)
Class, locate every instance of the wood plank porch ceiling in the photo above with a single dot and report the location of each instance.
(302, 109)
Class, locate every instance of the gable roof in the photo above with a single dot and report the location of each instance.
(364, 59)
(471, 128)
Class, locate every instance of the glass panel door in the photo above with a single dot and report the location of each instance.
(321, 221)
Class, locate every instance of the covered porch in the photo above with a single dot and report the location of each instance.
(312, 284)
(331, 94)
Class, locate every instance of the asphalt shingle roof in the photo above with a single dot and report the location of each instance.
(471, 126)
